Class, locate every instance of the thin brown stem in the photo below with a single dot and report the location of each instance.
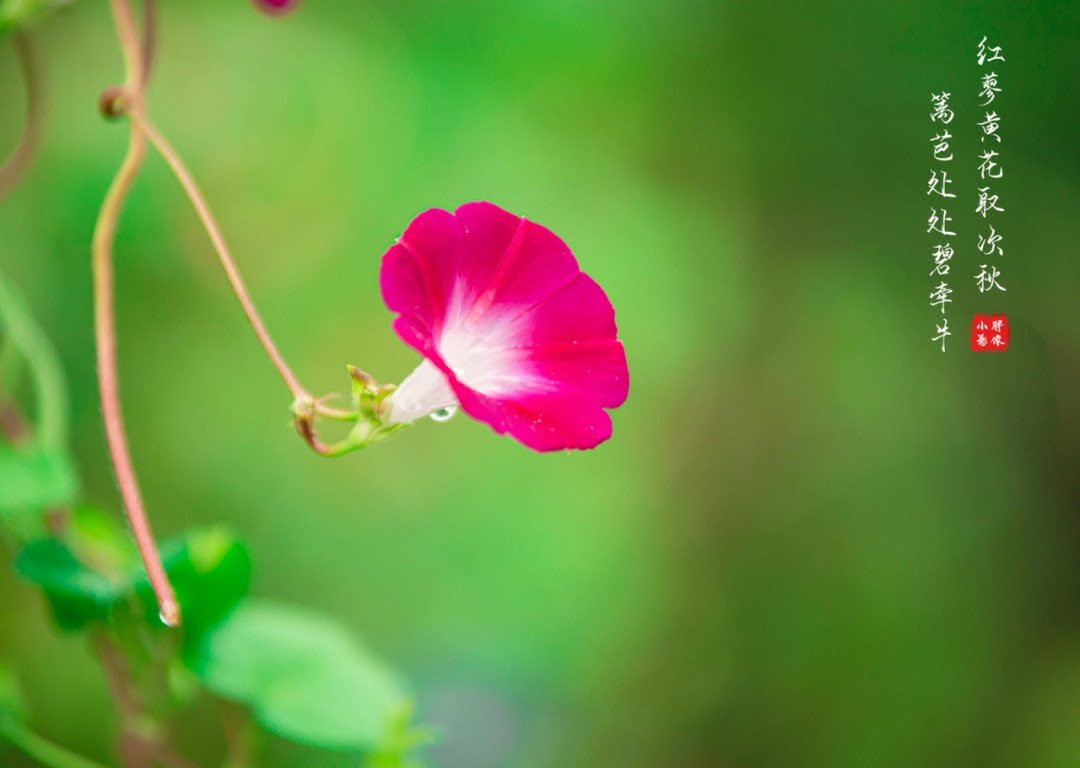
(11, 172)
(105, 325)
(143, 740)
(149, 39)
(128, 32)
(305, 407)
(116, 675)
(13, 425)
(224, 256)
(135, 749)
(305, 427)
(239, 734)
(169, 758)
(108, 385)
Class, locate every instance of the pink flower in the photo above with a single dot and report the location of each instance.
(511, 329)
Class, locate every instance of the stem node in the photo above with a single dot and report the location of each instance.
(113, 102)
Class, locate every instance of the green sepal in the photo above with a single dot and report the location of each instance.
(368, 395)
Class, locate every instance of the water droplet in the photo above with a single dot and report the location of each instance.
(170, 615)
(444, 414)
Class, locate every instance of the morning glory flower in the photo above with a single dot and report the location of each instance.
(512, 331)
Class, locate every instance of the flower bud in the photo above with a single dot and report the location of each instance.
(276, 7)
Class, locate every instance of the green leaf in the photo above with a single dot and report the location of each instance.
(88, 573)
(96, 568)
(210, 570)
(304, 677)
(35, 481)
(77, 594)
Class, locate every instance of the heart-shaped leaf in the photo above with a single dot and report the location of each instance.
(304, 677)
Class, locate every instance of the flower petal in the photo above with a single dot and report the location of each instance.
(488, 233)
(579, 311)
(516, 273)
(418, 273)
(498, 306)
(423, 391)
(553, 422)
(594, 370)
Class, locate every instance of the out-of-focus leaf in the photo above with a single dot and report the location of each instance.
(78, 595)
(304, 677)
(99, 539)
(35, 480)
(210, 570)
(399, 751)
(85, 575)
(96, 567)
(21, 13)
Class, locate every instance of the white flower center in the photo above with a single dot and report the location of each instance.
(480, 351)
(423, 391)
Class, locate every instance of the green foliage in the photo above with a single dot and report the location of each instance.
(810, 541)
(95, 570)
(12, 707)
(87, 573)
(35, 480)
(41, 475)
(304, 677)
(27, 344)
(78, 594)
(21, 13)
(210, 570)
(96, 537)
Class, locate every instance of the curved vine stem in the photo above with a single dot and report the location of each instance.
(149, 39)
(11, 172)
(305, 407)
(27, 339)
(224, 256)
(105, 320)
(129, 100)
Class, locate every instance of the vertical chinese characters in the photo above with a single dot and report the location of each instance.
(989, 333)
(989, 246)
(937, 223)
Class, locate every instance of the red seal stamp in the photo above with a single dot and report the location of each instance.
(989, 333)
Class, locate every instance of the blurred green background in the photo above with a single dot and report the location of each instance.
(812, 541)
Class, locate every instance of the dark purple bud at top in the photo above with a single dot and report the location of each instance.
(276, 7)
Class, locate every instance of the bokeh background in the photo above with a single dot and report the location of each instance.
(813, 539)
